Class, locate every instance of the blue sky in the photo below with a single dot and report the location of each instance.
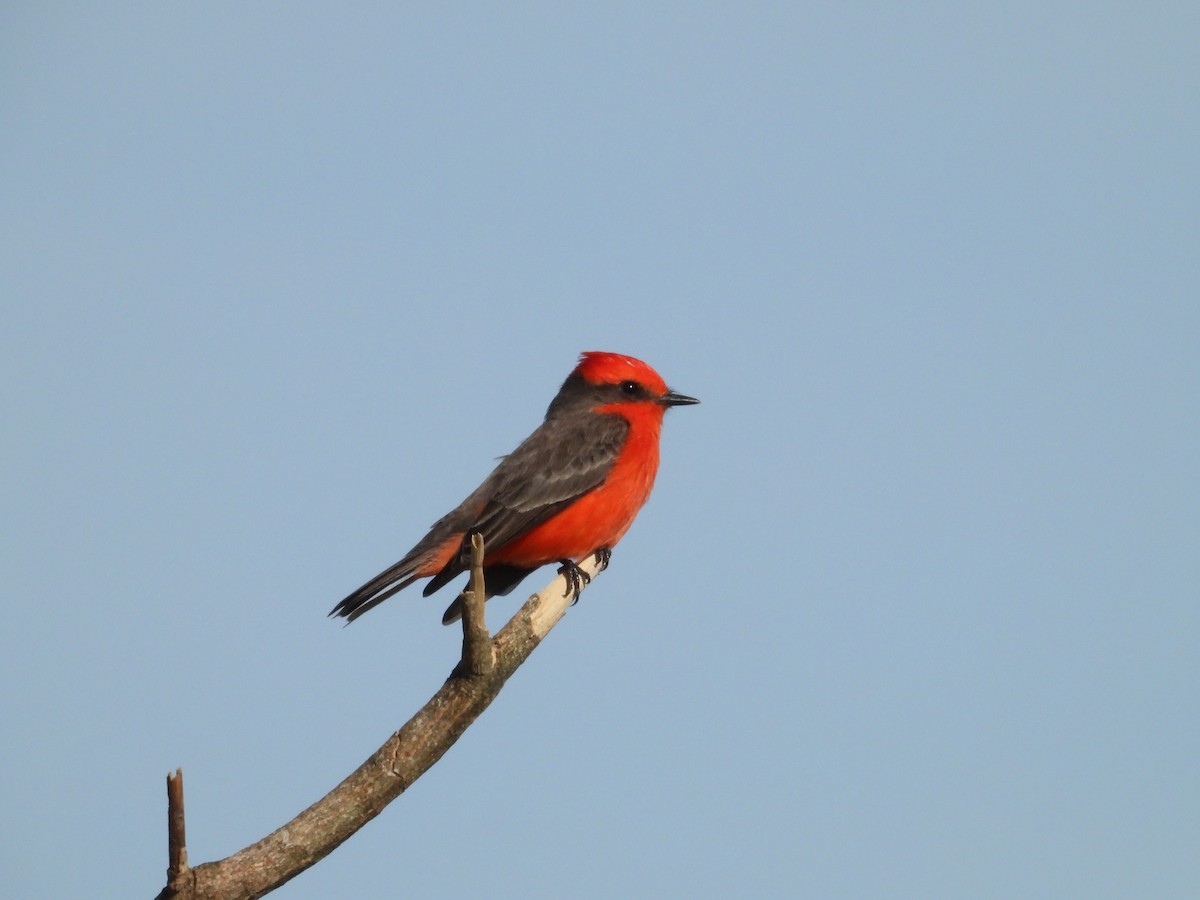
(912, 611)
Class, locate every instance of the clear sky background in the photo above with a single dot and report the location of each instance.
(913, 610)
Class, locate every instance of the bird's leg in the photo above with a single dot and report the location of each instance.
(603, 555)
(576, 578)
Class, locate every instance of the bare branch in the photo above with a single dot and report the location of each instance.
(403, 758)
(478, 654)
(177, 867)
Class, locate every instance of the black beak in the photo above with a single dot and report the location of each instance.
(670, 398)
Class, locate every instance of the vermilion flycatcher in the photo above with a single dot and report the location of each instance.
(570, 490)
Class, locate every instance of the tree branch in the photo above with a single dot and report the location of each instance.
(405, 756)
(177, 866)
(478, 654)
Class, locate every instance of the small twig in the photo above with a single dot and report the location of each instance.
(478, 654)
(176, 835)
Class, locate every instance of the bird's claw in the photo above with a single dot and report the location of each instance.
(576, 579)
(603, 555)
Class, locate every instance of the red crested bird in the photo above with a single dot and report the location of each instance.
(570, 490)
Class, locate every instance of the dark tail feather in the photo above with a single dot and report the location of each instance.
(372, 594)
(453, 612)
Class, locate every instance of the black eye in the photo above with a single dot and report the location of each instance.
(630, 388)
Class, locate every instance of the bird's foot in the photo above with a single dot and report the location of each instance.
(603, 555)
(576, 579)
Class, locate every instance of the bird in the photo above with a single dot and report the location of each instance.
(569, 491)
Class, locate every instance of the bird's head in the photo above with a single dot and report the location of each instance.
(611, 381)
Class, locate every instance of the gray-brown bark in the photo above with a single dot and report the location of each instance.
(485, 666)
